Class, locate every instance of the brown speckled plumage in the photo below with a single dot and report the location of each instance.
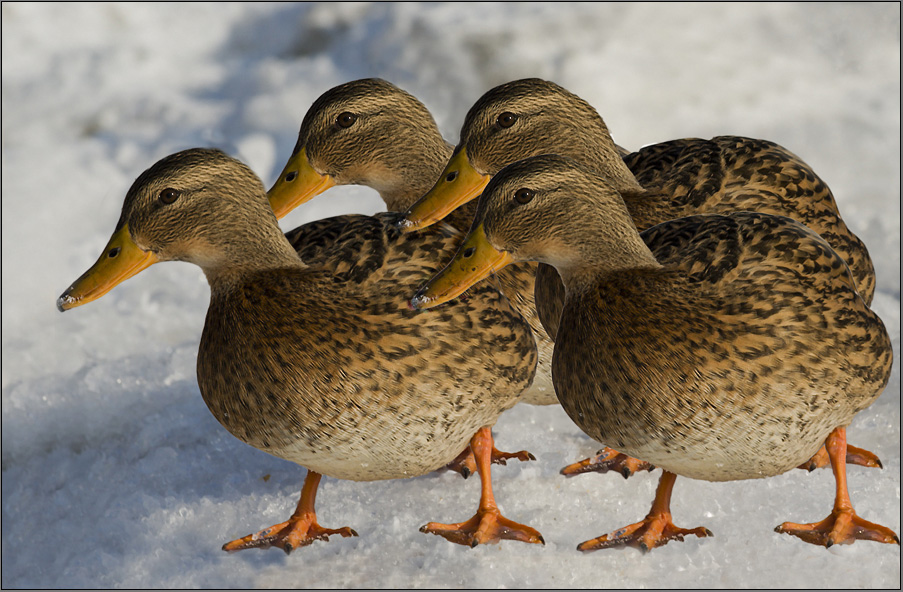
(325, 364)
(329, 368)
(660, 182)
(717, 347)
(728, 174)
(395, 147)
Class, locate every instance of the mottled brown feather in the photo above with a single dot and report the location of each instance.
(718, 347)
(395, 147)
(662, 181)
(325, 364)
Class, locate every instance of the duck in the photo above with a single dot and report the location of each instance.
(370, 132)
(660, 182)
(324, 364)
(716, 346)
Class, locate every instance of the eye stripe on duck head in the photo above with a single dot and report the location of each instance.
(543, 118)
(220, 205)
(376, 112)
(391, 144)
(568, 204)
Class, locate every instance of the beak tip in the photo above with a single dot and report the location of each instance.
(65, 302)
(419, 301)
(405, 225)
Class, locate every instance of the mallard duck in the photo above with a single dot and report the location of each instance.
(325, 365)
(370, 132)
(659, 182)
(718, 347)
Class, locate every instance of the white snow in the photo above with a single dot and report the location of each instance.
(114, 472)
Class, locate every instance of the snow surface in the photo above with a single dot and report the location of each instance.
(114, 472)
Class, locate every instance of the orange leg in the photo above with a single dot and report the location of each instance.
(653, 531)
(299, 530)
(608, 460)
(855, 456)
(487, 525)
(466, 464)
(843, 525)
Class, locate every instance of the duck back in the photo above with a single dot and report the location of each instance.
(732, 173)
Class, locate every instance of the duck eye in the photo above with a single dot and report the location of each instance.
(169, 195)
(506, 119)
(523, 196)
(346, 119)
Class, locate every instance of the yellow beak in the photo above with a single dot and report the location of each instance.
(297, 183)
(121, 259)
(476, 259)
(459, 184)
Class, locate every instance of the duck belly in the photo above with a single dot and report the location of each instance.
(384, 450)
(726, 452)
(720, 430)
(364, 435)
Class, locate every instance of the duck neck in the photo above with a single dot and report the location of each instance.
(417, 176)
(250, 248)
(647, 211)
(580, 275)
(607, 244)
(606, 158)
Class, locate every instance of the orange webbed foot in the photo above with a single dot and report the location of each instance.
(608, 460)
(298, 531)
(486, 527)
(288, 536)
(466, 464)
(855, 456)
(841, 527)
(863, 458)
(649, 533)
(655, 530)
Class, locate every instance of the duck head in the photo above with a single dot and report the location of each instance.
(365, 132)
(511, 122)
(198, 205)
(545, 208)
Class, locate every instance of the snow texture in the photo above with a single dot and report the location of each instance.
(114, 472)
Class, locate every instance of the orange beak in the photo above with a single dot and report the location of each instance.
(459, 184)
(121, 259)
(297, 183)
(476, 259)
